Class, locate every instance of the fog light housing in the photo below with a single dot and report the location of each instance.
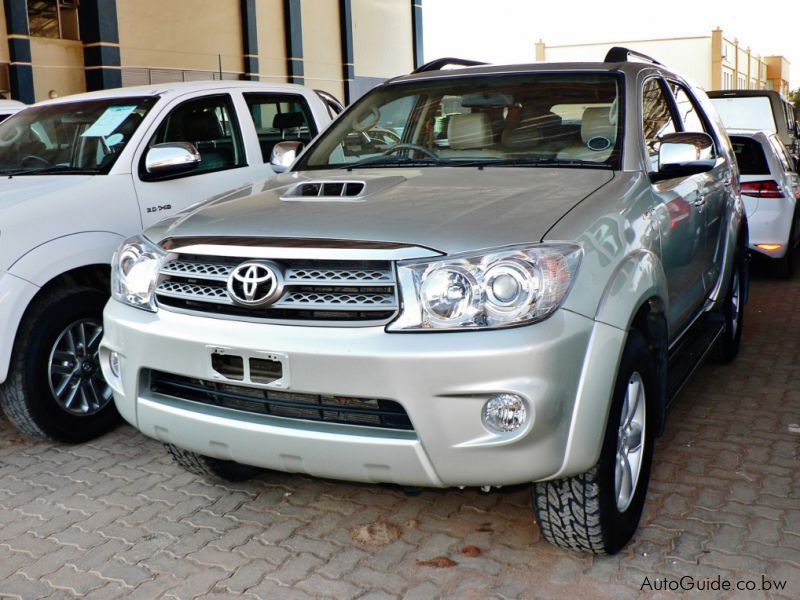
(113, 363)
(504, 413)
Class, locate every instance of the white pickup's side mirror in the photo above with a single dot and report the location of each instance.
(171, 158)
(284, 154)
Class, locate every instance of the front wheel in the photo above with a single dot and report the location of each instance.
(598, 511)
(55, 389)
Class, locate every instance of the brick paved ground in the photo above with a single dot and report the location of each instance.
(115, 518)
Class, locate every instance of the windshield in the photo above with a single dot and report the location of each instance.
(504, 120)
(753, 112)
(74, 137)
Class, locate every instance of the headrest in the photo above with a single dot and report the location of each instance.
(597, 132)
(532, 129)
(288, 120)
(469, 131)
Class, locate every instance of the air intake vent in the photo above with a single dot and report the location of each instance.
(329, 189)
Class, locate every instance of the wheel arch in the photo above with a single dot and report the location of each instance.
(81, 259)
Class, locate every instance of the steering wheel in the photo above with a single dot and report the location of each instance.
(416, 147)
(37, 159)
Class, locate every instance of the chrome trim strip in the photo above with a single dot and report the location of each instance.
(388, 254)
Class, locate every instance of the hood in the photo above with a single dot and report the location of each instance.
(451, 209)
(21, 188)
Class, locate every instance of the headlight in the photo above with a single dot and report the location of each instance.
(492, 289)
(134, 273)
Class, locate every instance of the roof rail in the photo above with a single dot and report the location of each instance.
(621, 54)
(437, 64)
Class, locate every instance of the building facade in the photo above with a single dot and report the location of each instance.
(714, 62)
(58, 47)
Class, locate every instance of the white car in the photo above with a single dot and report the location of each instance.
(770, 189)
(82, 173)
(10, 107)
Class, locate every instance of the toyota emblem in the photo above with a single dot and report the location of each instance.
(255, 283)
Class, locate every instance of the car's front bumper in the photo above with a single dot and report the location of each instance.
(441, 379)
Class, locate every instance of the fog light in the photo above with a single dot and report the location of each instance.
(504, 412)
(113, 363)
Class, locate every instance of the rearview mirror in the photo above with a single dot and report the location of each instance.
(171, 158)
(284, 154)
(683, 154)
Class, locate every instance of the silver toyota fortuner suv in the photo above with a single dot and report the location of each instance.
(475, 277)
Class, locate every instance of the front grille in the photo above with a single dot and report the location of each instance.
(314, 290)
(367, 412)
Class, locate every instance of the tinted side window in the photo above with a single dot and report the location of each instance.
(279, 117)
(750, 156)
(688, 110)
(210, 125)
(657, 118)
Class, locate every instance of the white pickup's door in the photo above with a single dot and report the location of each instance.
(234, 133)
(218, 127)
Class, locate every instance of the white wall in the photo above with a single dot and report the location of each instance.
(691, 57)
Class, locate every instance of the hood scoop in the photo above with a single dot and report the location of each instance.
(343, 191)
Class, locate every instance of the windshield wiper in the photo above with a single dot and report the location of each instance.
(50, 169)
(391, 161)
(530, 162)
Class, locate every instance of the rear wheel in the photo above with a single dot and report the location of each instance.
(598, 511)
(215, 468)
(733, 313)
(55, 389)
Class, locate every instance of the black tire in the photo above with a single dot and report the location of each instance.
(581, 512)
(26, 396)
(732, 312)
(214, 468)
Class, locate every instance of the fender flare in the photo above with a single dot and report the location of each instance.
(637, 280)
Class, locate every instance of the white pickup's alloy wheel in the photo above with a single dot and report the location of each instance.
(630, 442)
(74, 369)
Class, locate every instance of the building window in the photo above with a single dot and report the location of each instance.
(741, 83)
(53, 19)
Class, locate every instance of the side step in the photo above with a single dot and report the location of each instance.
(690, 351)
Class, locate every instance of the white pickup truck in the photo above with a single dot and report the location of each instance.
(80, 174)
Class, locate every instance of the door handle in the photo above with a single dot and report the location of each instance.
(701, 201)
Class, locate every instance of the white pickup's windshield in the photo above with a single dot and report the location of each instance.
(73, 137)
(754, 112)
(570, 119)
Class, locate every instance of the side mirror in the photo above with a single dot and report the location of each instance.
(683, 154)
(284, 154)
(171, 158)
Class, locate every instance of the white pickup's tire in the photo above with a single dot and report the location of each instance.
(55, 389)
(215, 468)
(598, 511)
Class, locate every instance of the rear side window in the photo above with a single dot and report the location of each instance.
(750, 156)
(279, 117)
(687, 109)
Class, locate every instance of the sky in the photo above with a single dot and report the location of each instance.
(505, 31)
